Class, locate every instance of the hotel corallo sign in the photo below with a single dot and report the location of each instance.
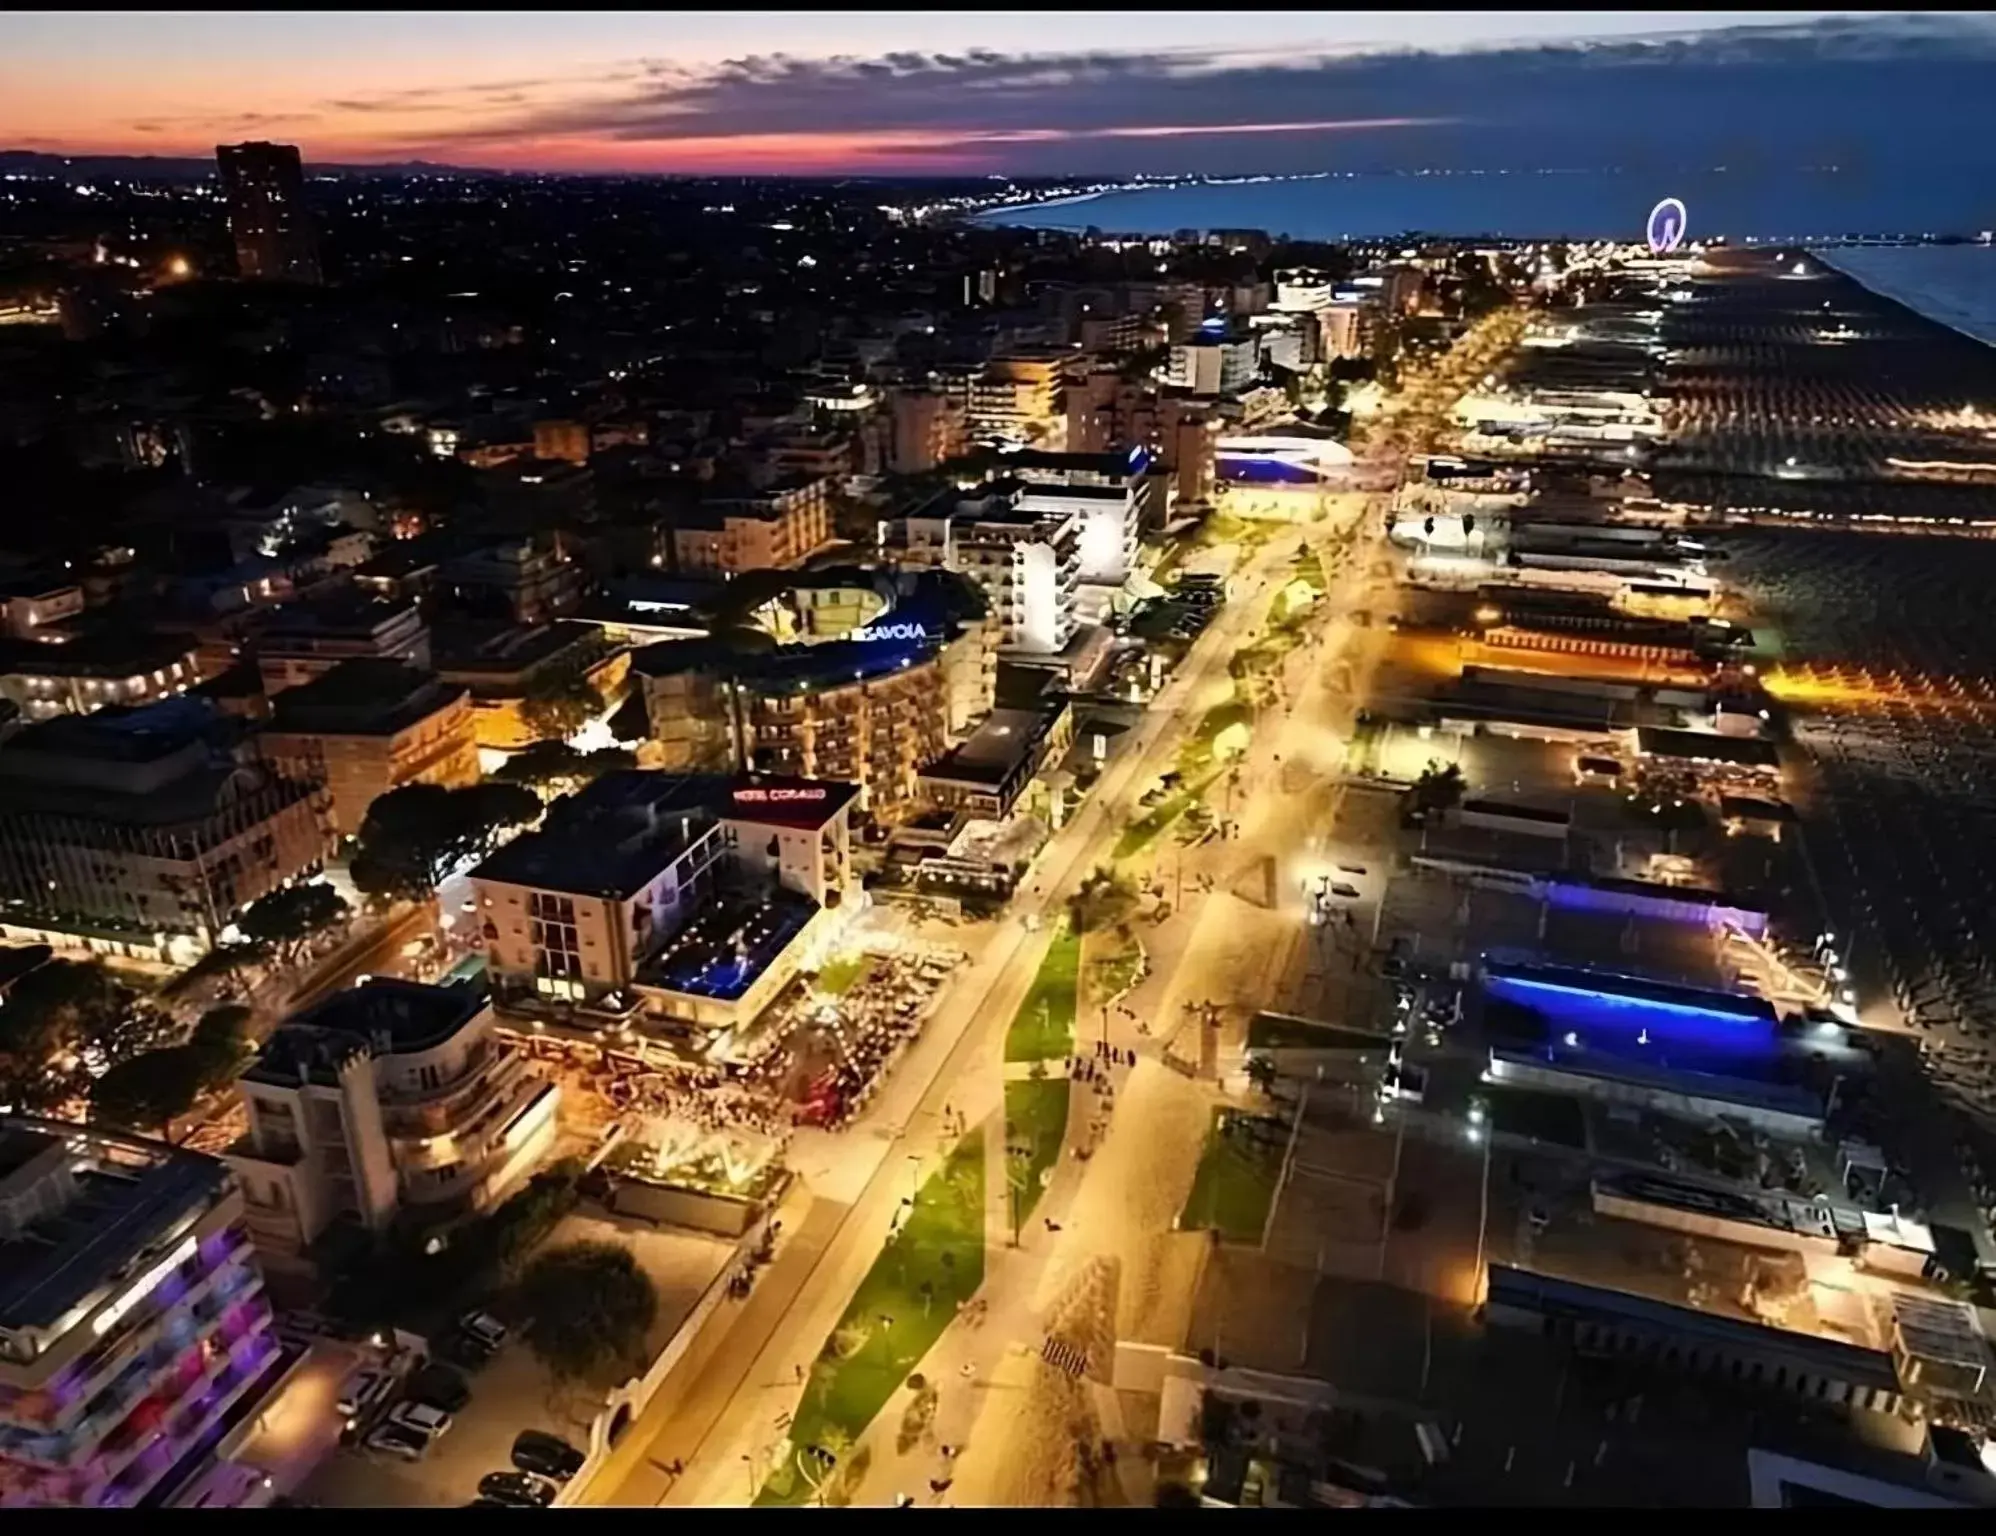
(776, 796)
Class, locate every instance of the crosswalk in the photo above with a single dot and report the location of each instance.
(1065, 1357)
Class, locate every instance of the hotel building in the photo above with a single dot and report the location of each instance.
(612, 896)
(133, 1325)
(874, 675)
(502, 664)
(1025, 555)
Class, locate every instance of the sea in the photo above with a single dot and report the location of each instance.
(1954, 285)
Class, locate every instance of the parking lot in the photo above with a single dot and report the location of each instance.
(514, 1391)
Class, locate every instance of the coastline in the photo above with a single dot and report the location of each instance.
(1928, 301)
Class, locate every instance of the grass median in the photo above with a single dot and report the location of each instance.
(932, 1265)
(1145, 829)
(1044, 1025)
(1035, 1123)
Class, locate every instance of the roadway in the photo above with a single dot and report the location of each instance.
(721, 1415)
(959, 1068)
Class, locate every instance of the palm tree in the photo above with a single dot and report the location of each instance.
(1440, 787)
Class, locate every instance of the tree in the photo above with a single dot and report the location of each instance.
(559, 707)
(1439, 788)
(1261, 1072)
(415, 836)
(554, 767)
(148, 1091)
(219, 1044)
(588, 1305)
(287, 918)
(1104, 899)
(45, 1021)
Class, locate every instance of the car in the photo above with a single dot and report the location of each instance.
(535, 1450)
(399, 1440)
(520, 1489)
(363, 1390)
(439, 1386)
(464, 1352)
(483, 1327)
(1345, 892)
(423, 1418)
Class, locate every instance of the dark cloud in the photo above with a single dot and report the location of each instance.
(1775, 96)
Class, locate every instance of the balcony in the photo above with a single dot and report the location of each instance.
(241, 1368)
(108, 1411)
(84, 1378)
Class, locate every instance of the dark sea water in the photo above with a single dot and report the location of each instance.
(1953, 284)
(1798, 206)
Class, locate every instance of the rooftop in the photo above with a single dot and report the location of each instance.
(366, 696)
(994, 752)
(385, 1015)
(478, 653)
(349, 612)
(77, 1205)
(142, 735)
(99, 653)
(611, 838)
(1706, 747)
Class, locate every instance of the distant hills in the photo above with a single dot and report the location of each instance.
(29, 162)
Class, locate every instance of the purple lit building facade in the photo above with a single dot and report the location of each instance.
(133, 1323)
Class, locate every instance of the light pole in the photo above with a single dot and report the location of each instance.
(1017, 1160)
(1481, 1132)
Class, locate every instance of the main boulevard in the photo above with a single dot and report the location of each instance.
(720, 1416)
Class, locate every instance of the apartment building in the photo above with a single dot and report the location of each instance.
(1189, 433)
(776, 529)
(388, 1096)
(580, 909)
(502, 664)
(1215, 361)
(92, 671)
(1016, 397)
(514, 580)
(133, 1324)
(928, 428)
(304, 640)
(370, 726)
(148, 822)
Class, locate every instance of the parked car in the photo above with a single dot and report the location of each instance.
(422, 1418)
(483, 1327)
(521, 1489)
(463, 1351)
(535, 1450)
(439, 1386)
(399, 1440)
(363, 1390)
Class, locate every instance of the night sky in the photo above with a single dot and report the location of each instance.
(1018, 93)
